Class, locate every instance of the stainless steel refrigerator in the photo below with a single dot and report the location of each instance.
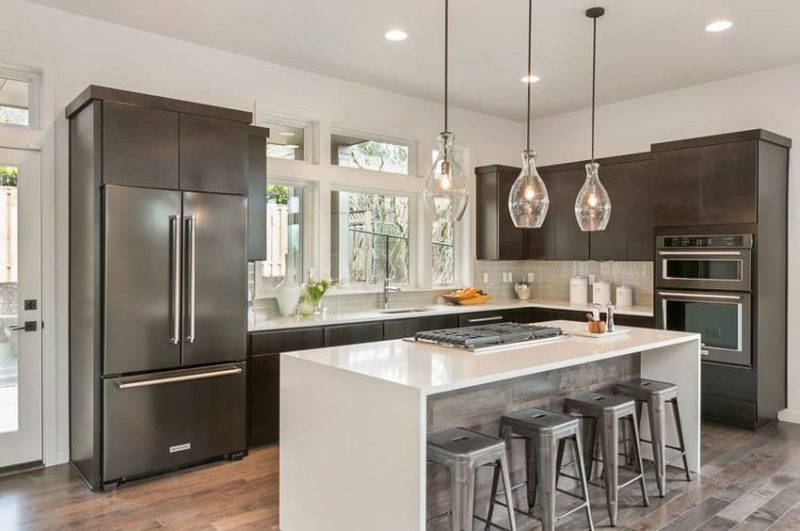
(158, 296)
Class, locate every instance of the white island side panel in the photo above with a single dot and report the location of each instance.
(352, 451)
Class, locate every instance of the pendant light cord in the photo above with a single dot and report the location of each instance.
(446, 65)
(530, 74)
(594, 76)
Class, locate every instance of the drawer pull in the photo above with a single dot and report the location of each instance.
(704, 353)
(174, 379)
(485, 319)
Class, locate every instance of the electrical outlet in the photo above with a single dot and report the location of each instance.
(530, 278)
(486, 278)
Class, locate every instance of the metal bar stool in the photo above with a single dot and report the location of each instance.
(545, 434)
(463, 451)
(607, 411)
(656, 395)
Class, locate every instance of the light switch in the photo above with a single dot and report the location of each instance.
(486, 278)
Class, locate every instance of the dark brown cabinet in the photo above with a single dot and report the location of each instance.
(540, 244)
(635, 320)
(710, 180)
(400, 328)
(264, 399)
(640, 204)
(256, 195)
(496, 236)
(214, 155)
(352, 334)
(571, 242)
(130, 131)
(483, 318)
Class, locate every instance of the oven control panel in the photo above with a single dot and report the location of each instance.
(739, 241)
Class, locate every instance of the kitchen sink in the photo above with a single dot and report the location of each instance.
(403, 310)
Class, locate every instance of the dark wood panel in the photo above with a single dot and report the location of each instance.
(678, 177)
(213, 155)
(140, 146)
(641, 214)
(264, 399)
(352, 334)
(635, 320)
(496, 236)
(286, 340)
(400, 328)
(540, 244)
(537, 315)
(612, 243)
(257, 198)
(568, 315)
(482, 318)
(729, 183)
(571, 242)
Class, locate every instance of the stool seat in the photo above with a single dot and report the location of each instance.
(643, 389)
(534, 421)
(590, 404)
(462, 443)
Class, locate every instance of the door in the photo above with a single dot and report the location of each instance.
(678, 175)
(20, 308)
(215, 279)
(142, 279)
(213, 155)
(612, 243)
(571, 242)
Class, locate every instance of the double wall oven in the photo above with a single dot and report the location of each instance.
(704, 285)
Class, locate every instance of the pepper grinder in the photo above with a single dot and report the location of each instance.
(609, 317)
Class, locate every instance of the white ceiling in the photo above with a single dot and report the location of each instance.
(645, 46)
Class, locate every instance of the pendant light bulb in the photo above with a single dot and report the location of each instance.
(528, 200)
(446, 191)
(593, 205)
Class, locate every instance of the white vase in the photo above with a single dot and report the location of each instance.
(288, 294)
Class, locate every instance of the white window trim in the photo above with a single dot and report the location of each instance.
(413, 237)
(34, 79)
(413, 147)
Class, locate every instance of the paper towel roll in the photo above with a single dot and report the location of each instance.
(601, 293)
(579, 290)
(624, 297)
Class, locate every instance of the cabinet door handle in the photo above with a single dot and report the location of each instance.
(190, 282)
(175, 299)
(700, 296)
(700, 253)
(485, 319)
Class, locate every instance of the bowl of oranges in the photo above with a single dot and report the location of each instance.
(467, 296)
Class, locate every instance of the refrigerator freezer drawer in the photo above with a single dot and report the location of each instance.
(169, 419)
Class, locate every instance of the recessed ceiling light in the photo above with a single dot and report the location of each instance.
(719, 25)
(395, 35)
(530, 79)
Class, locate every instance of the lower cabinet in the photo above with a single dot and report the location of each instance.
(352, 334)
(400, 328)
(265, 371)
(483, 318)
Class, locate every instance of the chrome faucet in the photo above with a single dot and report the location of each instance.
(386, 290)
(609, 317)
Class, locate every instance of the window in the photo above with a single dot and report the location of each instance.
(444, 244)
(377, 154)
(286, 142)
(14, 101)
(284, 236)
(369, 238)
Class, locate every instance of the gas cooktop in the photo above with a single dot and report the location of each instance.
(490, 336)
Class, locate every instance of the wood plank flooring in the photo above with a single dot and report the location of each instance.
(748, 481)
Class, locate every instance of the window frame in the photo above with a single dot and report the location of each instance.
(413, 236)
(412, 145)
(34, 80)
(310, 134)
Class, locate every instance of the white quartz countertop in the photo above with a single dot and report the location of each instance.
(434, 369)
(260, 322)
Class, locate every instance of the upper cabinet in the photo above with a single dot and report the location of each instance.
(496, 236)
(711, 180)
(213, 155)
(571, 242)
(140, 146)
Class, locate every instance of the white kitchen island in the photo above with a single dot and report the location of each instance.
(354, 419)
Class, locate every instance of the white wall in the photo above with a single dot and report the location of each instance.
(767, 100)
(74, 51)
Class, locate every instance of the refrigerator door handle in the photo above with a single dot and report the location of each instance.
(175, 301)
(190, 282)
(182, 378)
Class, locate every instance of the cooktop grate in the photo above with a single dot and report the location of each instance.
(473, 337)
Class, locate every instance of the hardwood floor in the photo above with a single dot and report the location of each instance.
(748, 481)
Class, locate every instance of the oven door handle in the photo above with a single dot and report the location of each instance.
(700, 296)
(700, 253)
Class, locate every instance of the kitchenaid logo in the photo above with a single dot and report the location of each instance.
(180, 447)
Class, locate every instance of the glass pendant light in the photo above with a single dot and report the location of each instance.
(446, 193)
(528, 200)
(593, 206)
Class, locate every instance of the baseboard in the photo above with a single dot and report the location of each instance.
(789, 415)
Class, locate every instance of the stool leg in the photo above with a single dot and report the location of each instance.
(509, 494)
(546, 469)
(462, 480)
(587, 426)
(610, 441)
(576, 442)
(655, 412)
(638, 450)
(677, 413)
(530, 473)
(493, 497)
